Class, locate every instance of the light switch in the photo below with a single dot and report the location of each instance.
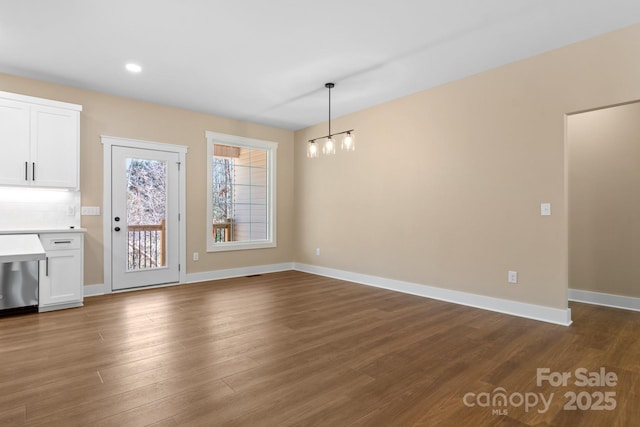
(545, 209)
(90, 210)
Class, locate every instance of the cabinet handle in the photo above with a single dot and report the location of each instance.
(26, 171)
(33, 172)
(46, 266)
(57, 242)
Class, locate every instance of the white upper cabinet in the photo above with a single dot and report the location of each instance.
(39, 142)
(54, 147)
(14, 142)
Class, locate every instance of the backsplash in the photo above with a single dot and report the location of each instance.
(36, 208)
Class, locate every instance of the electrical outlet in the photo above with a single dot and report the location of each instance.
(512, 277)
(545, 209)
(318, 251)
(196, 256)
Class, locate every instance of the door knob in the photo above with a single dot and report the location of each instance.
(117, 229)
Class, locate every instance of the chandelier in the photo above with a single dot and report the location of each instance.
(329, 146)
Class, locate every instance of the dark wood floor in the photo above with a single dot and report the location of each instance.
(296, 349)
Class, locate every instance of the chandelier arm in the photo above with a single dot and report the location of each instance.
(327, 136)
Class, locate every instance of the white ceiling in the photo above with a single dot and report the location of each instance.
(266, 61)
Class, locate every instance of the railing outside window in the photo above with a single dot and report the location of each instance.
(223, 231)
(146, 246)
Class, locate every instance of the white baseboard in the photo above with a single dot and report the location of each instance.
(238, 272)
(101, 289)
(607, 300)
(515, 308)
(95, 290)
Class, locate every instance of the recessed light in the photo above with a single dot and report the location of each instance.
(134, 68)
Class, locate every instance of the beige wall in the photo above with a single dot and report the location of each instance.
(604, 200)
(121, 117)
(445, 186)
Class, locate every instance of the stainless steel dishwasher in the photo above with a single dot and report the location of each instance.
(19, 255)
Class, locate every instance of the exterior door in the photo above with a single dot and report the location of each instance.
(145, 217)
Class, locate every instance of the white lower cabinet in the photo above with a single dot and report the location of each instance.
(61, 272)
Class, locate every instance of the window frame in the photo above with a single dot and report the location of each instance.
(238, 141)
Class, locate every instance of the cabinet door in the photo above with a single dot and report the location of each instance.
(14, 143)
(60, 280)
(54, 147)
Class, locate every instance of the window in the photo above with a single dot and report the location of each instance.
(240, 193)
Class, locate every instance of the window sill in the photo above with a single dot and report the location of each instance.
(240, 246)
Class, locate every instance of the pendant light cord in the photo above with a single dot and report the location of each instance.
(330, 110)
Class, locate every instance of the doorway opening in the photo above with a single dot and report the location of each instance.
(603, 183)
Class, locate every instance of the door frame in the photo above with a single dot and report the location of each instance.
(107, 143)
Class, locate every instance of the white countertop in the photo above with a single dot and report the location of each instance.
(44, 230)
(20, 247)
